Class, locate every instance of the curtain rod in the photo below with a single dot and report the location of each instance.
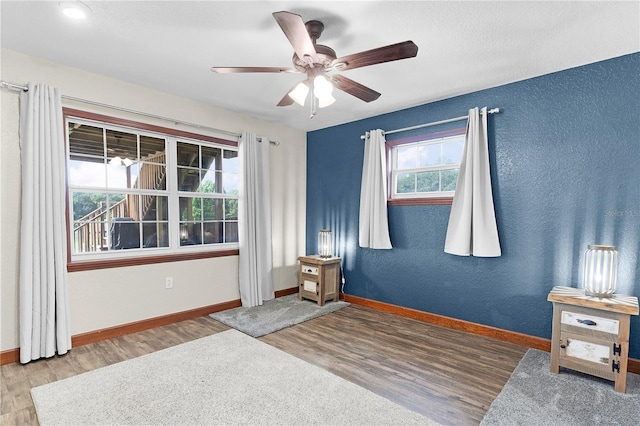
(434, 123)
(19, 87)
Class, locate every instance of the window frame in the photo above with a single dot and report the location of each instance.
(123, 258)
(438, 198)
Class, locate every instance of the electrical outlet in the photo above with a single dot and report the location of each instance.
(168, 282)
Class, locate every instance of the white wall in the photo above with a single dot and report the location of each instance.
(111, 297)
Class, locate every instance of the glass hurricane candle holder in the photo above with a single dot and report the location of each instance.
(600, 277)
(325, 243)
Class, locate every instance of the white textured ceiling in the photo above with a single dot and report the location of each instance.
(463, 46)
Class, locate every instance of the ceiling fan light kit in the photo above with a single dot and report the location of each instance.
(316, 61)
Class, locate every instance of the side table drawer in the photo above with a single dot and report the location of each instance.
(591, 322)
(309, 269)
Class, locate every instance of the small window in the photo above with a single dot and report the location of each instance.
(426, 166)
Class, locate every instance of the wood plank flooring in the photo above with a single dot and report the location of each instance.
(447, 375)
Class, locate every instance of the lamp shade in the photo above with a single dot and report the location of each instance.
(325, 101)
(600, 277)
(299, 93)
(322, 87)
(325, 243)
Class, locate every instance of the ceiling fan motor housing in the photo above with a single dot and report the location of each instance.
(324, 56)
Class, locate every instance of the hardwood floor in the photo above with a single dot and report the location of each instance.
(447, 375)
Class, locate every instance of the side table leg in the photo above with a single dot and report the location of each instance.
(554, 365)
(621, 378)
(621, 383)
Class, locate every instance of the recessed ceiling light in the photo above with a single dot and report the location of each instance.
(75, 9)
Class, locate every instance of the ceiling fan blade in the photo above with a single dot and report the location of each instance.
(354, 88)
(285, 101)
(230, 70)
(293, 27)
(393, 52)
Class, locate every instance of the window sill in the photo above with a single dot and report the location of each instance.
(146, 260)
(420, 201)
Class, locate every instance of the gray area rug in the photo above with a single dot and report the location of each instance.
(227, 378)
(535, 396)
(275, 314)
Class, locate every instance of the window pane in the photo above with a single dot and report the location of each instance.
(121, 145)
(231, 232)
(87, 171)
(449, 179)
(134, 172)
(188, 154)
(119, 205)
(190, 208)
(190, 233)
(155, 234)
(212, 208)
(406, 183)
(428, 181)
(89, 205)
(230, 183)
(211, 158)
(230, 161)
(188, 179)
(90, 226)
(429, 155)
(149, 176)
(210, 182)
(129, 206)
(155, 207)
(452, 151)
(213, 233)
(406, 157)
(152, 150)
(90, 236)
(124, 233)
(230, 209)
(85, 140)
(117, 176)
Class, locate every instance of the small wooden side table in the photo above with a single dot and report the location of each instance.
(318, 278)
(591, 334)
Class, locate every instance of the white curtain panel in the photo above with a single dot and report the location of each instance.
(374, 222)
(254, 221)
(472, 229)
(44, 308)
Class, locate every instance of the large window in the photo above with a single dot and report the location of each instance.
(136, 192)
(425, 167)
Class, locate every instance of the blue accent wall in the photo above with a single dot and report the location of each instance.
(565, 164)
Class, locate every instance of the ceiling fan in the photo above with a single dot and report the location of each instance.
(316, 61)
